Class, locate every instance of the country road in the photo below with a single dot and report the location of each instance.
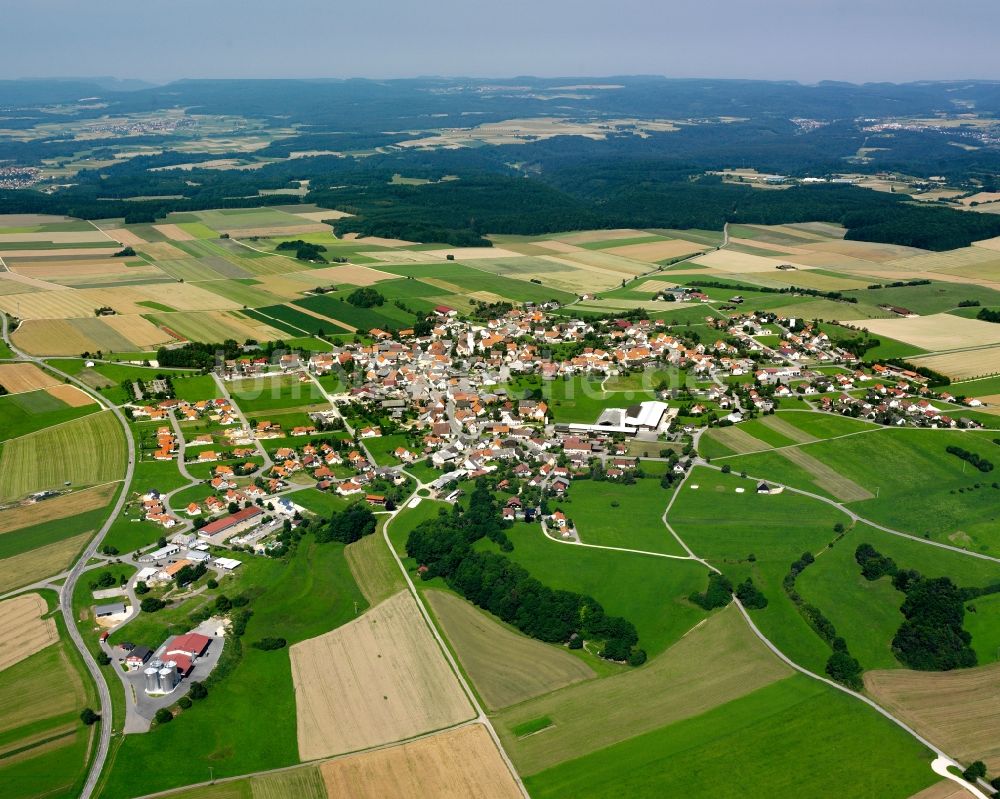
(66, 592)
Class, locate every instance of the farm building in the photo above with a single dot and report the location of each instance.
(137, 658)
(107, 611)
(191, 644)
(647, 416)
(218, 531)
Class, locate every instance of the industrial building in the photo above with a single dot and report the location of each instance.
(220, 530)
(651, 416)
(176, 660)
(161, 677)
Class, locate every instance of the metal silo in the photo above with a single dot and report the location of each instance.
(168, 676)
(152, 676)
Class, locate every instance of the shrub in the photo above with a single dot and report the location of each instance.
(269, 644)
(198, 690)
(163, 716)
(184, 702)
(89, 717)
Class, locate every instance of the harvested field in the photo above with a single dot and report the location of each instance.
(378, 679)
(865, 250)
(66, 304)
(558, 246)
(374, 568)
(354, 275)
(51, 337)
(843, 488)
(82, 270)
(86, 451)
(812, 279)
(376, 241)
(591, 236)
(71, 237)
(657, 250)
(988, 244)
(740, 263)
(716, 662)
(24, 631)
(957, 710)
(20, 377)
(277, 230)
(215, 326)
(174, 233)
(34, 283)
(964, 365)
(128, 238)
(301, 783)
(608, 262)
(63, 252)
(469, 253)
(58, 508)
(787, 429)
(946, 789)
(104, 336)
(139, 330)
(39, 563)
(737, 439)
(506, 667)
(319, 216)
(458, 764)
(71, 395)
(935, 332)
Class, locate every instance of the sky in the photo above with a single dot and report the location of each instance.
(804, 40)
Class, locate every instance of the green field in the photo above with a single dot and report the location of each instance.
(255, 395)
(628, 516)
(921, 488)
(25, 413)
(747, 747)
(716, 662)
(726, 528)
(649, 591)
(310, 594)
(578, 399)
(935, 298)
(83, 452)
(382, 316)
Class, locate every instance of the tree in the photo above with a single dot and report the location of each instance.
(198, 690)
(975, 771)
(845, 669)
(151, 604)
(102, 659)
(365, 297)
(89, 717)
(163, 716)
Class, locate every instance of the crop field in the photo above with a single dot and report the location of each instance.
(964, 365)
(85, 451)
(655, 251)
(935, 332)
(18, 377)
(214, 326)
(38, 513)
(794, 719)
(733, 439)
(29, 411)
(716, 662)
(650, 591)
(339, 310)
(381, 678)
(505, 666)
(958, 710)
(24, 631)
(374, 568)
(787, 429)
(39, 563)
(458, 764)
(827, 478)
(598, 510)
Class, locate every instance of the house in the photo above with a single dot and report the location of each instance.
(445, 312)
(763, 488)
(138, 657)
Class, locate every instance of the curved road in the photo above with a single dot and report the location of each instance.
(66, 592)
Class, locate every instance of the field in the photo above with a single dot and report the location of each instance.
(78, 502)
(597, 512)
(649, 591)
(958, 710)
(374, 569)
(935, 332)
(263, 395)
(18, 377)
(27, 412)
(41, 562)
(716, 662)
(24, 632)
(744, 748)
(43, 745)
(379, 679)
(505, 666)
(964, 365)
(458, 764)
(86, 451)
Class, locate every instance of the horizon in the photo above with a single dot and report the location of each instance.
(846, 41)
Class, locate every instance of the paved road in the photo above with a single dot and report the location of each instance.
(66, 593)
(268, 463)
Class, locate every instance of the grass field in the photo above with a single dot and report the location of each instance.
(920, 488)
(86, 451)
(310, 594)
(649, 591)
(598, 509)
(458, 764)
(744, 748)
(25, 413)
(381, 678)
(726, 528)
(40, 562)
(255, 395)
(958, 710)
(505, 666)
(374, 568)
(716, 662)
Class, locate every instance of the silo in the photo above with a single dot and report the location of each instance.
(168, 676)
(152, 676)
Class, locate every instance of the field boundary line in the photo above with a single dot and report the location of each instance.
(57, 426)
(545, 532)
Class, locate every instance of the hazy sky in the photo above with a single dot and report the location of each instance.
(805, 40)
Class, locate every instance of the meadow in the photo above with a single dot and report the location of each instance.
(21, 414)
(791, 721)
